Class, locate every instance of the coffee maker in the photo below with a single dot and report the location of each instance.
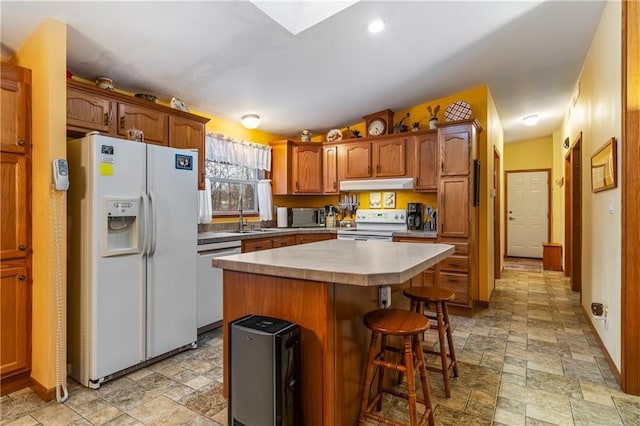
(414, 216)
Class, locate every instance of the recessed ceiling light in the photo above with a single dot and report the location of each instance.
(531, 120)
(376, 26)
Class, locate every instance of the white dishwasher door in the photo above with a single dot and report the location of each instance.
(210, 283)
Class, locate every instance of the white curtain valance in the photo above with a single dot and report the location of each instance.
(222, 149)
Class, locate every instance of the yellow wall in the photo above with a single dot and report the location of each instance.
(597, 116)
(494, 143)
(45, 53)
(529, 155)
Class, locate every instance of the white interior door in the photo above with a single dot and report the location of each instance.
(527, 213)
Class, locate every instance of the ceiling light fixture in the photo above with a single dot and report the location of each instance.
(531, 120)
(250, 121)
(376, 26)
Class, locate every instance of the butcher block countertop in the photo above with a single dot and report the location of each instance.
(358, 263)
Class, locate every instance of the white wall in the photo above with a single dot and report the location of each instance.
(597, 114)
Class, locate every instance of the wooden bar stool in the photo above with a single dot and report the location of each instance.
(409, 325)
(420, 298)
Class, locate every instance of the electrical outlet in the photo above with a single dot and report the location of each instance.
(384, 301)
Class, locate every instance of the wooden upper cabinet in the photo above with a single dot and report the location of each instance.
(281, 164)
(296, 167)
(330, 169)
(426, 162)
(389, 157)
(16, 109)
(307, 169)
(357, 157)
(455, 151)
(382, 158)
(153, 123)
(185, 133)
(87, 112)
(16, 319)
(453, 203)
(15, 224)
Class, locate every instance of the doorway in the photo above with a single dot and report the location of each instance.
(497, 255)
(573, 215)
(528, 225)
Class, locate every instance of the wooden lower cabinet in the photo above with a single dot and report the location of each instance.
(452, 273)
(255, 245)
(15, 324)
(457, 283)
(284, 241)
(312, 238)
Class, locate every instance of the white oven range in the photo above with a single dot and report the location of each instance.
(376, 225)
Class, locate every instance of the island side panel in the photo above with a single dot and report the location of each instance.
(350, 304)
(301, 302)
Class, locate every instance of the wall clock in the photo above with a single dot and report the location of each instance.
(379, 123)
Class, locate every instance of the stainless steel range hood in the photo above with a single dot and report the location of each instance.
(374, 184)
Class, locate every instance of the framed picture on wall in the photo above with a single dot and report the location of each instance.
(375, 200)
(604, 167)
(389, 200)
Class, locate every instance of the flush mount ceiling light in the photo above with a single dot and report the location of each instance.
(250, 121)
(531, 120)
(376, 26)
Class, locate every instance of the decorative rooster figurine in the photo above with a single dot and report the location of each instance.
(398, 128)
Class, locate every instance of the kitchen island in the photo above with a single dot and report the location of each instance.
(326, 288)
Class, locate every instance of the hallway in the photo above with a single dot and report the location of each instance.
(530, 359)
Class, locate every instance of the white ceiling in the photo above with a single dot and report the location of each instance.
(229, 58)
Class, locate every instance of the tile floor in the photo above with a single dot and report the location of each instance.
(530, 359)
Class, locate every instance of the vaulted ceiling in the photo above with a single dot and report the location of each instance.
(230, 58)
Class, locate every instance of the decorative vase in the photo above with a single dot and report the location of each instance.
(305, 136)
(432, 122)
(415, 127)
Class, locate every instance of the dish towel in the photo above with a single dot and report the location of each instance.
(264, 199)
(204, 203)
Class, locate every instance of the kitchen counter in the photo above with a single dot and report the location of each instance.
(363, 263)
(326, 288)
(222, 236)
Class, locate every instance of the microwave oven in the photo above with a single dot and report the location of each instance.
(307, 218)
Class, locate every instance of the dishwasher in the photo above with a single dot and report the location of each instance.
(209, 308)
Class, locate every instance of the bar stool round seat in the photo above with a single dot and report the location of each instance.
(421, 297)
(409, 326)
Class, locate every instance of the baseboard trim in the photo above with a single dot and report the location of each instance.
(15, 383)
(46, 394)
(607, 356)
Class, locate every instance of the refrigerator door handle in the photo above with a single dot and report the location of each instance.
(152, 231)
(145, 215)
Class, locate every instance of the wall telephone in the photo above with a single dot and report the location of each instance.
(60, 174)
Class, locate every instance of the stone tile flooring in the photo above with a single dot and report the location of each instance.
(530, 359)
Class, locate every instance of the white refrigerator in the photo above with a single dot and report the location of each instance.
(132, 241)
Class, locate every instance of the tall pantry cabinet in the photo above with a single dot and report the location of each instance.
(458, 213)
(15, 238)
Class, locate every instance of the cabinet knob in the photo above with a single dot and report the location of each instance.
(21, 142)
(22, 277)
(22, 248)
